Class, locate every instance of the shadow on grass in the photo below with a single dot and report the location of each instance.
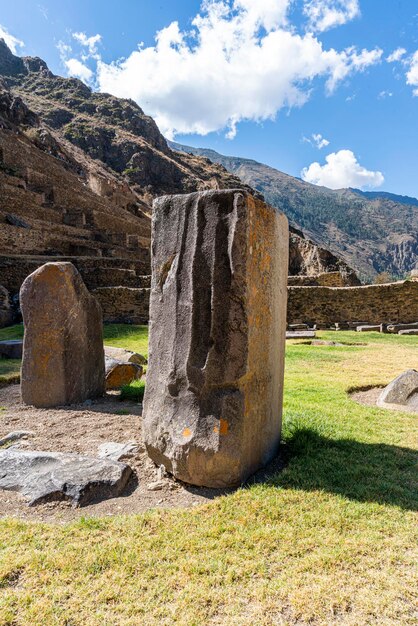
(364, 472)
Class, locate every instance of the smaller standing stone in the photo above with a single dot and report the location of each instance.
(63, 356)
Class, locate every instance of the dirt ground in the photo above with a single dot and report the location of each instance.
(82, 429)
(369, 397)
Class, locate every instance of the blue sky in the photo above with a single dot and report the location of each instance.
(302, 85)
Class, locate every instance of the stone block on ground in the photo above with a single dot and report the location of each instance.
(52, 476)
(400, 390)
(302, 334)
(124, 356)
(397, 328)
(11, 349)
(123, 374)
(6, 311)
(213, 399)
(368, 329)
(63, 356)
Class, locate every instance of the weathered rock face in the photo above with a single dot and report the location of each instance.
(212, 407)
(63, 356)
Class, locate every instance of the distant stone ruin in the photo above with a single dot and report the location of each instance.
(63, 356)
(213, 400)
(392, 303)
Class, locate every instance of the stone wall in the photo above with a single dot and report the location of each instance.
(123, 305)
(375, 304)
(95, 272)
(326, 279)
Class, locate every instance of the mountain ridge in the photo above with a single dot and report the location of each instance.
(372, 234)
(78, 174)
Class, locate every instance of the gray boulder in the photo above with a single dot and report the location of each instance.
(213, 399)
(400, 390)
(11, 349)
(124, 356)
(63, 357)
(50, 476)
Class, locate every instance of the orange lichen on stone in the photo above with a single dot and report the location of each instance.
(223, 427)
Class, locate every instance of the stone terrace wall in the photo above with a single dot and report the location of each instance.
(326, 279)
(95, 272)
(375, 304)
(123, 305)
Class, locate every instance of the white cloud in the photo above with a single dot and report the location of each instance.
(396, 55)
(77, 69)
(88, 42)
(412, 74)
(326, 14)
(242, 60)
(12, 42)
(340, 171)
(317, 140)
(385, 94)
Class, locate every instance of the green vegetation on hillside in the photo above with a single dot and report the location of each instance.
(328, 540)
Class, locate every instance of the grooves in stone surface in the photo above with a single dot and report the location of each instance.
(212, 407)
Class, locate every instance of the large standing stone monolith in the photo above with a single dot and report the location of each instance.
(213, 399)
(63, 356)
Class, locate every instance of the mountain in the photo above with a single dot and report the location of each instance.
(387, 196)
(78, 173)
(373, 233)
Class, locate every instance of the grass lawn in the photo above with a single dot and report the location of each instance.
(330, 540)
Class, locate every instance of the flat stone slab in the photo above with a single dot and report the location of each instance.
(52, 476)
(303, 334)
(297, 327)
(11, 349)
(368, 329)
(117, 451)
(399, 328)
(400, 390)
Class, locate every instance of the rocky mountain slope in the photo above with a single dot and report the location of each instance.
(372, 232)
(78, 173)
